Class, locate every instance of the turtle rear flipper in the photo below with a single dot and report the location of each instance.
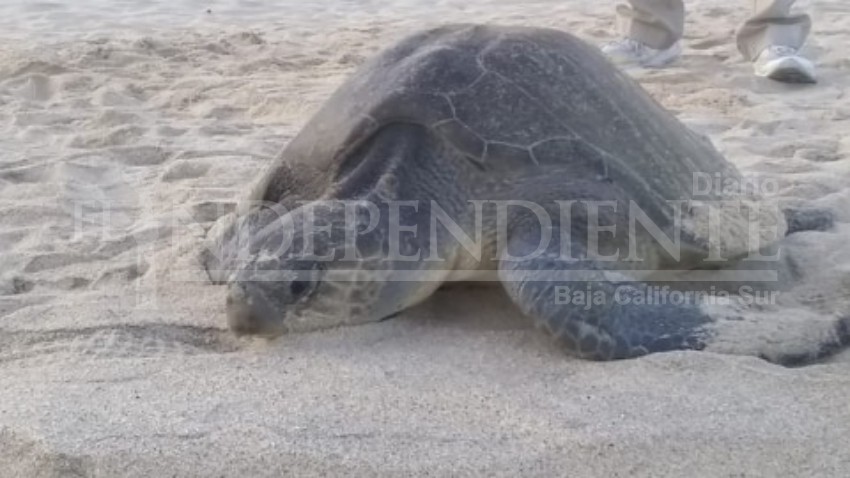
(605, 310)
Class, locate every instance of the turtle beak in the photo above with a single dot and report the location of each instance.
(249, 312)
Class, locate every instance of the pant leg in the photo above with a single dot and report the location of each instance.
(772, 24)
(655, 23)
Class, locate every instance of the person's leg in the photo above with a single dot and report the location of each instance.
(772, 24)
(657, 24)
(771, 37)
(650, 29)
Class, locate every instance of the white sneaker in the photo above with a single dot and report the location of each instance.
(781, 63)
(629, 52)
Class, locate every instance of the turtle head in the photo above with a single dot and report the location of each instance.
(305, 270)
(264, 300)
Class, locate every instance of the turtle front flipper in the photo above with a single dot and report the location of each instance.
(604, 310)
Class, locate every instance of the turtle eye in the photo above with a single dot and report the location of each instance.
(298, 287)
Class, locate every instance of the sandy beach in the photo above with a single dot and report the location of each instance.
(128, 128)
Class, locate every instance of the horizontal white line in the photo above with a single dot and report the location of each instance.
(455, 275)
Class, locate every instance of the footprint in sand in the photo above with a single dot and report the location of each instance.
(183, 169)
(26, 119)
(111, 117)
(11, 303)
(98, 194)
(139, 155)
(113, 342)
(824, 152)
(118, 136)
(761, 128)
(38, 173)
(38, 66)
(76, 83)
(709, 43)
(719, 12)
(111, 97)
(33, 87)
(122, 274)
(11, 239)
(14, 285)
(55, 260)
(170, 131)
(246, 38)
(21, 285)
(820, 150)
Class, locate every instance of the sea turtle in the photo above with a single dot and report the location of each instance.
(509, 154)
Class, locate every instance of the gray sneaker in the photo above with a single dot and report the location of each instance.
(629, 52)
(781, 63)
